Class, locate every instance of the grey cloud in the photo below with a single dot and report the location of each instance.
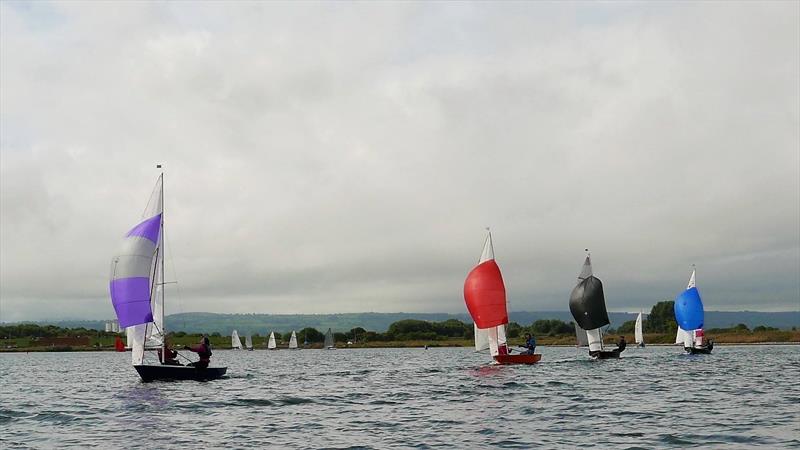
(345, 157)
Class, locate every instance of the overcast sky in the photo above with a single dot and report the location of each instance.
(338, 157)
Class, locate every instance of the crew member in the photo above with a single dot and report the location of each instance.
(622, 344)
(203, 350)
(530, 344)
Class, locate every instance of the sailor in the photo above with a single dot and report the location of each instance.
(168, 355)
(203, 350)
(622, 344)
(530, 344)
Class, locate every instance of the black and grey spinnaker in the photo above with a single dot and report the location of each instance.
(587, 302)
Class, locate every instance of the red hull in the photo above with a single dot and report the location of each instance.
(518, 359)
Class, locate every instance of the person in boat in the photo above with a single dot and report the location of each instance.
(530, 344)
(167, 355)
(710, 344)
(203, 350)
(622, 344)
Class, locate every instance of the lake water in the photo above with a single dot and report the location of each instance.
(738, 397)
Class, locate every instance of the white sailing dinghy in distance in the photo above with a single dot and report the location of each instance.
(271, 345)
(293, 342)
(236, 343)
(329, 344)
(248, 342)
(638, 335)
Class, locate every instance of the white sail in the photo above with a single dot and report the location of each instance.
(329, 339)
(271, 345)
(580, 334)
(691, 280)
(481, 338)
(586, 270)
(638, 336)
(235, 341)
(595, 338)
(488, 248)
(248, 342)
(293, 341)
(684, 337)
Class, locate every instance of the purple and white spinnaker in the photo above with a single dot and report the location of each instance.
(135, 284)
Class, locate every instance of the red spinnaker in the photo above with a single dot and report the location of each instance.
(119, 345)
(485, 295)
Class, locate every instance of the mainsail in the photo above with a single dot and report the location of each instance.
(235, 341)
(485, 297)
(136, 279)
(588, 305)
(293, 341)
(271, 345)
(638, 336)
(328, 339)
(248, 342)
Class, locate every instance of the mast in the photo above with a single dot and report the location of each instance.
(163, 239)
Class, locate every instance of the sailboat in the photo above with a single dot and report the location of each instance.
(248, 342)
(272, 345)
(293, 342)
(588, 307)
(485, 296)
(329, 344)
(236, 343)
(137, 294)
(638, 336)
(689, 315)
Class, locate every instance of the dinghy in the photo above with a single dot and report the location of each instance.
(248, 342)
(271, 345)
(638, 336)
(293, 342)
(329, 344)
(137, 294)
(236, 343)
(689, 314)
(588, 307)
(485, 297)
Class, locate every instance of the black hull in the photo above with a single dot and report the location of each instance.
(152, 373)
(606, 354)
(641, 345)
(698, 351)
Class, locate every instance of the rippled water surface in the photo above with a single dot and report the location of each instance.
(655, 397)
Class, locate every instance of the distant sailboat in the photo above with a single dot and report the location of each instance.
(236, 343)
(587, 304)
(638, 335)
(248, 342)
(689, 315)
(118, 344)
(485, 297)
(329, 344)
(272, 345)
(293, 342)
(137, 294)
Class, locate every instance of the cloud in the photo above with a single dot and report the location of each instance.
(346, 157)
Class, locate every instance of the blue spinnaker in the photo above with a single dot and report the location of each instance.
(689, 310)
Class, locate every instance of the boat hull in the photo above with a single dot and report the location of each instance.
(518, 359)
(605, 354)
(153, 373)
(698, 350)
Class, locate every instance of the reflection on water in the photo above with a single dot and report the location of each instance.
(654, 397)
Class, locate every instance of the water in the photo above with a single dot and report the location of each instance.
(655, 397)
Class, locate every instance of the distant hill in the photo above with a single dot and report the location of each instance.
(264, 323)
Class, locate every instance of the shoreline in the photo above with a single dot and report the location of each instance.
(430, 346)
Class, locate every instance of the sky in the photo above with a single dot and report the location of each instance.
(347, 157)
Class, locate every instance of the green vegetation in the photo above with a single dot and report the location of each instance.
(659, 327)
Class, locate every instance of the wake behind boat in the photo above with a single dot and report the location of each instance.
(485, 296)
(137, 294)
